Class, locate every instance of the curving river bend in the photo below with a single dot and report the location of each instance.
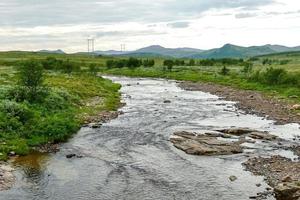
(131, 158)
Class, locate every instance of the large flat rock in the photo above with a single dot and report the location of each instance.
(208, 145)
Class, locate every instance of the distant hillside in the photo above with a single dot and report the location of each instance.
(233, 51)
(143, 55)
(58, 51)
(110, 52)
(281, 54)
(169, 52)
(227, 51)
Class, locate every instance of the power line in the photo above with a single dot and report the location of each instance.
(123, 47)
(91, 45)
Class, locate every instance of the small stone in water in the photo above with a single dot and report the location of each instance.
(232, 178)
(258, 185)
(70, 155)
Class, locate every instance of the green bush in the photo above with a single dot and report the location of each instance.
(16, 110)
(57, 127)
(93, 69)
(54, 102)
(274, 76)
(169, 64)
(9, 125)
(69, 67)
(31, 78)
(148, 63)
(224, 71)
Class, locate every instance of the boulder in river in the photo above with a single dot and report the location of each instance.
(204, 144)
(287, 191)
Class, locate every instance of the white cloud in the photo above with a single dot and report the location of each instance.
(65, 24)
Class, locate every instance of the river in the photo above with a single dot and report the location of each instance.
(131, 156)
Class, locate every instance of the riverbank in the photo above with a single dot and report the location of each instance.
(70, 100)
(74, 100)
(281, 173)
(253, 97)
(252, 102)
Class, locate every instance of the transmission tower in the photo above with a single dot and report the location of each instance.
(91, 45)
(123, 47)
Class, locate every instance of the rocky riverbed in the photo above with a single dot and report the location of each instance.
(252, 102)
(281, 173)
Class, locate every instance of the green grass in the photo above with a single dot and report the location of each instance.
(58, 116)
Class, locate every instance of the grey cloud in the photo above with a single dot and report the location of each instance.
(283, 13)
(245, 15)
(127, 33)
(179, 24)
(35, 12)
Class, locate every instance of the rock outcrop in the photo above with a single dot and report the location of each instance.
(208, 145)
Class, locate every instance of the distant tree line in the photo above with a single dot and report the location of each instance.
(268, 61)
(207, 62)
(170, 63)
(131, 63)
(65, 66)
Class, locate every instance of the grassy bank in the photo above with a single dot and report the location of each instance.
(54, 117)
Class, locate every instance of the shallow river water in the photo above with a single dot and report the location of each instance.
(131, 157)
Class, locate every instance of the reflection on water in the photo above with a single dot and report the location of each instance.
(32, 168)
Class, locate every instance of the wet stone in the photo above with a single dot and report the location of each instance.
(204, 144)
(233, 178)
(237, 131)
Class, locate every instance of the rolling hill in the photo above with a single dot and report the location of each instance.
(226, 51)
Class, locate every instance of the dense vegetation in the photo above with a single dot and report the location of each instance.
(46, 100)
(131, 63)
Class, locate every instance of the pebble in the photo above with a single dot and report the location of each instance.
(233, 178)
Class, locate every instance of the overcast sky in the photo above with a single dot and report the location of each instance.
(204, 24)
